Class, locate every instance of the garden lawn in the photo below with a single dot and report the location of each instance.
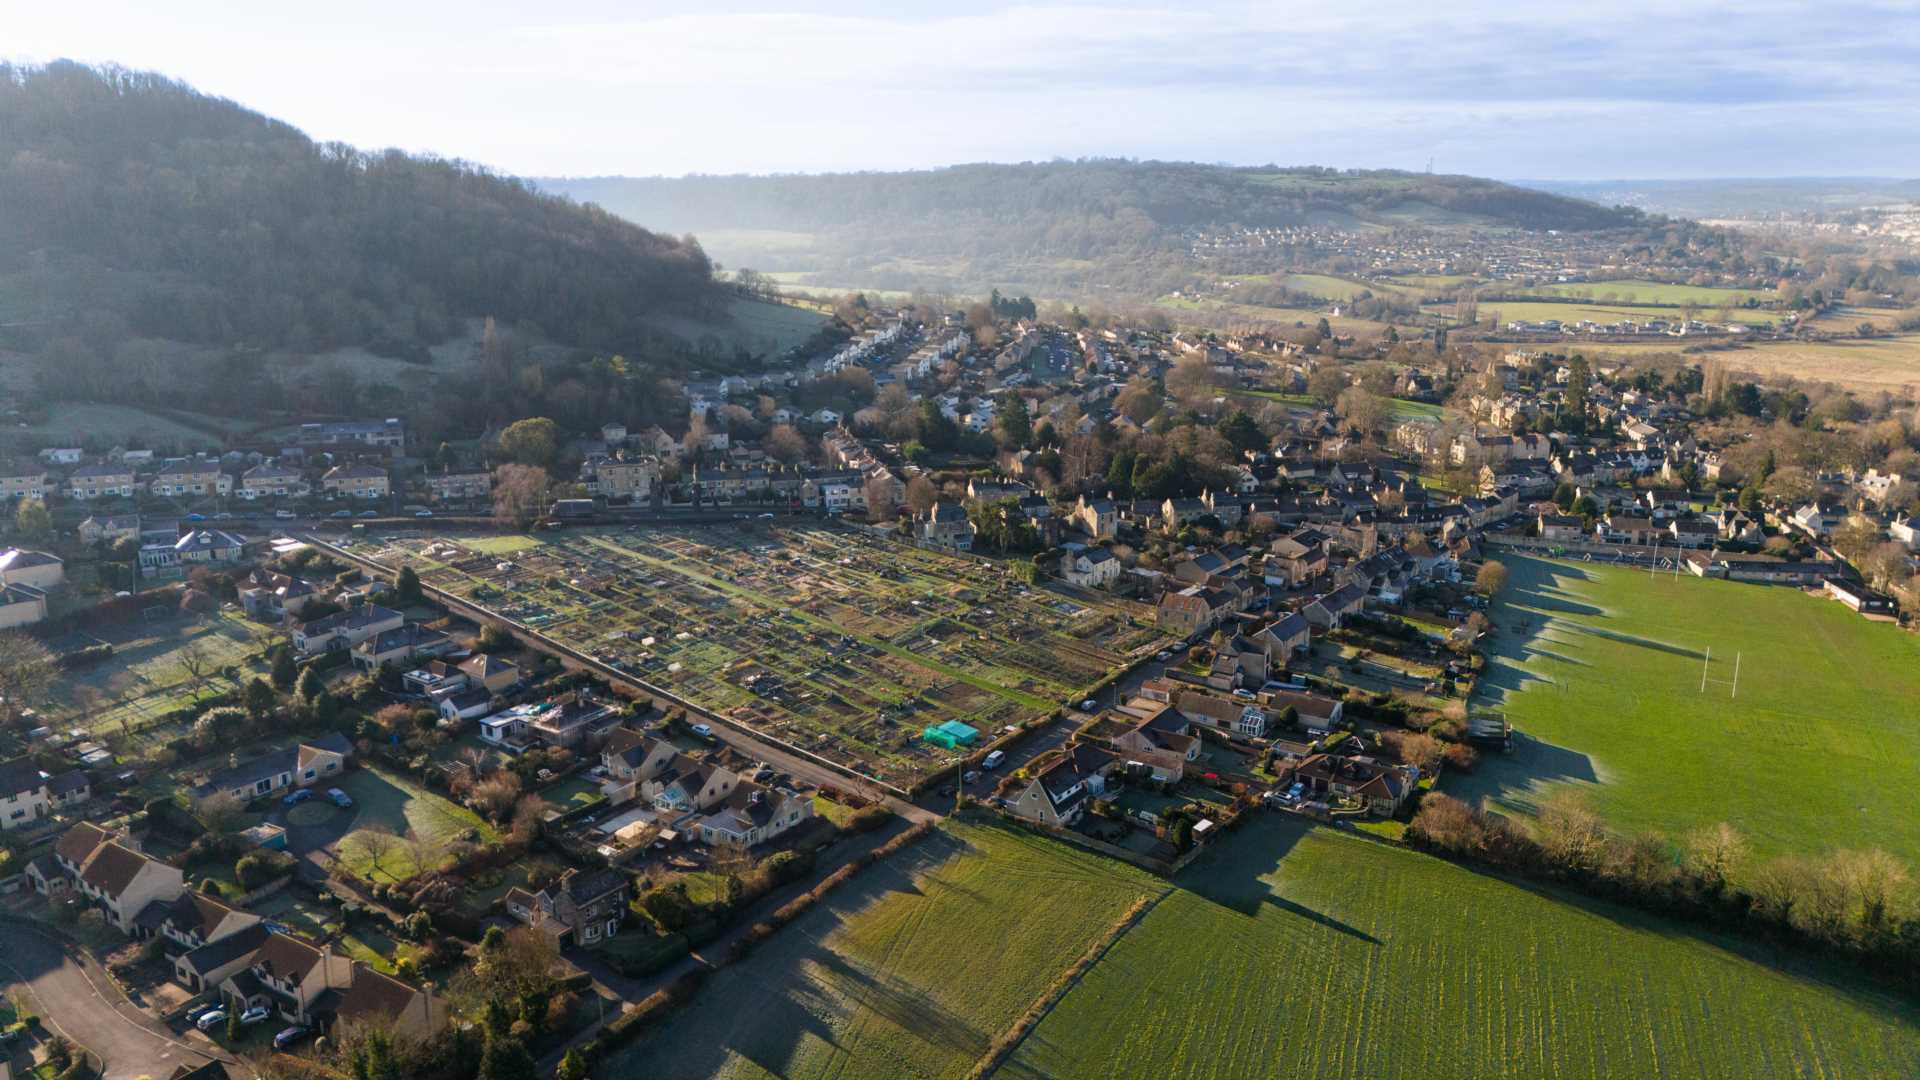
(385, 801)
(1296, 951)
(910, 970)
(1599, 669)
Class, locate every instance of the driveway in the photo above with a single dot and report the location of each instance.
(78, 1001)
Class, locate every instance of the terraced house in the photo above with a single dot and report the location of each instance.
(459, 485)
(20, 482)
(104, 480)
(191, 477)
(270, 480)
(356, 481)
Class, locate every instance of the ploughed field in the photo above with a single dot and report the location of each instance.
(1600, 670)
(837, 641)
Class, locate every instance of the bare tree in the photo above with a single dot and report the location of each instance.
(519, 493)
(27, 672)
(220, 814)
(378, 842)
(197, 664)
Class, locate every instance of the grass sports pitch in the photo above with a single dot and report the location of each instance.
(1601, 669)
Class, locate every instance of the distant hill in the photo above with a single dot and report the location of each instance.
(1102, 224)
(133, 199)
(1732, 197)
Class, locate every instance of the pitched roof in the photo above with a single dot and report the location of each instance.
(19, 776)
(112, 867)
(79, 841)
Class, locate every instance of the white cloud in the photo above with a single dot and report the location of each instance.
(1634, 87)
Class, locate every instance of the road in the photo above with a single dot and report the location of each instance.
(77, 1000)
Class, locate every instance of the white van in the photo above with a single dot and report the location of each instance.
(993, 760)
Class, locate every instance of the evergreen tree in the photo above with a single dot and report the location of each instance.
(284, 670)
(310, 685)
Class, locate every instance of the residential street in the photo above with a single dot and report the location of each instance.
(81, 1003)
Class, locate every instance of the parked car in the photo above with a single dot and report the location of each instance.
(705, 731)
(211, 1019)
(423, 513)
(1162, 656)
(297, 797)
(342, 514)
(1243, 695)
(1089, 705)
(196, 517)
(340, 798)
(993, 760)
(290, 1036)
(194, 1014)
(370, 513)
(283, 515)
(255, 1015)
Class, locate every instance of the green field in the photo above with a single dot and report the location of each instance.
(908, 971)
(503, 545)
(1600, 668)
(758, 327)
(87, 423)
(148, 675)
(1885, 363)
(1296, 951)
(396, 804)
(1655, 292)
(1543, 310)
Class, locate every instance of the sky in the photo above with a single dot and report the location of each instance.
(1627, 88)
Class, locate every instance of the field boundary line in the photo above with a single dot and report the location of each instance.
(1011, 1040)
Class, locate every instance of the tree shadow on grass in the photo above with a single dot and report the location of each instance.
(1233, 874)
(1829, 972)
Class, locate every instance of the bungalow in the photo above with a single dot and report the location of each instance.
(1380, 788)
(305, 763)
(1316, 713)
(509, 730)
(107, 528)
(401, 646)
(751, 814)
(204, 546)
(271, 595)
(583, 907)
(1860, 598)
(465, 703)
(1060, 791)
(344, 630)
(1225, 714)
